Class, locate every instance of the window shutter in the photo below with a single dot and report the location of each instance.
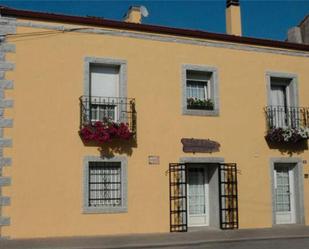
(104, 81)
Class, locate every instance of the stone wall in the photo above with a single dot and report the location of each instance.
(7, 28)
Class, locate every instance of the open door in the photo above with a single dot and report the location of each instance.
(178, 197)
(228, 196)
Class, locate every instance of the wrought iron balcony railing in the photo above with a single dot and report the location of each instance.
(112, 109)
(286, 116)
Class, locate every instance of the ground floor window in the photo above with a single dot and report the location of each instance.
(105, 184)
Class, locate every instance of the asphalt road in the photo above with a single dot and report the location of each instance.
(292, 243)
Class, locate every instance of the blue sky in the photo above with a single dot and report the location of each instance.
(261, 18)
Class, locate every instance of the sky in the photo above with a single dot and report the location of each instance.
(268, 19)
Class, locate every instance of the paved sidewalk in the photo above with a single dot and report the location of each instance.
(164, 240)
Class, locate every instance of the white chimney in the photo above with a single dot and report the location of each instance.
(135, 14)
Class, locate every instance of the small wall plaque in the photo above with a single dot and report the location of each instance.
(153, 160)
(199, 145)
(304, 161)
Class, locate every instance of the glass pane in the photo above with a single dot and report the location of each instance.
(198, 75)
(197, 90)
(279, 103)
(196, 191)
(283, 190)
(101, 112)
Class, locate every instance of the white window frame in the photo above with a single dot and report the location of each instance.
(206, 87)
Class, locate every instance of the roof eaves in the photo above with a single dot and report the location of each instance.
(101, 22)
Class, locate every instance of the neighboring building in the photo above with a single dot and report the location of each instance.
(300, 33)
(206, 129)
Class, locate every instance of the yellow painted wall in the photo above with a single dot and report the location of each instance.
(47, 170)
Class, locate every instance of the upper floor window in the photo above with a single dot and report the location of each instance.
(106, 112)
(286, 120)
(200, 93)
(283, 106)
(104, 92)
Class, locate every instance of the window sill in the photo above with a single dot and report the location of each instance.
(102, 210)
(200, 112)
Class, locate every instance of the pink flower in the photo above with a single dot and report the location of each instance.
(98, 124)
(123, 131)
(102, 136)
(100, 132)
(87, 134)
(112, 129)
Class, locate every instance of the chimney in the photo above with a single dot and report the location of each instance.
(300, 33)
(233, 17)
(135, 14)
(294, 35)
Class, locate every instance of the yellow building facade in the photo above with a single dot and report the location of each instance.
(219, 107)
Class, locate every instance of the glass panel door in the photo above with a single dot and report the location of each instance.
(284, 194)
(283, 203)
(197, 196)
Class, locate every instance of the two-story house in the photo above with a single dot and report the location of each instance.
(118, 127)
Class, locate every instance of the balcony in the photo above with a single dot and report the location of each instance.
(287, 124)
(105, 118)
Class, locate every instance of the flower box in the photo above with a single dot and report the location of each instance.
(287, 135)
(102, 132)
(200, 104)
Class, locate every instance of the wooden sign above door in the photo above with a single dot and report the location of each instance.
(199, 145)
